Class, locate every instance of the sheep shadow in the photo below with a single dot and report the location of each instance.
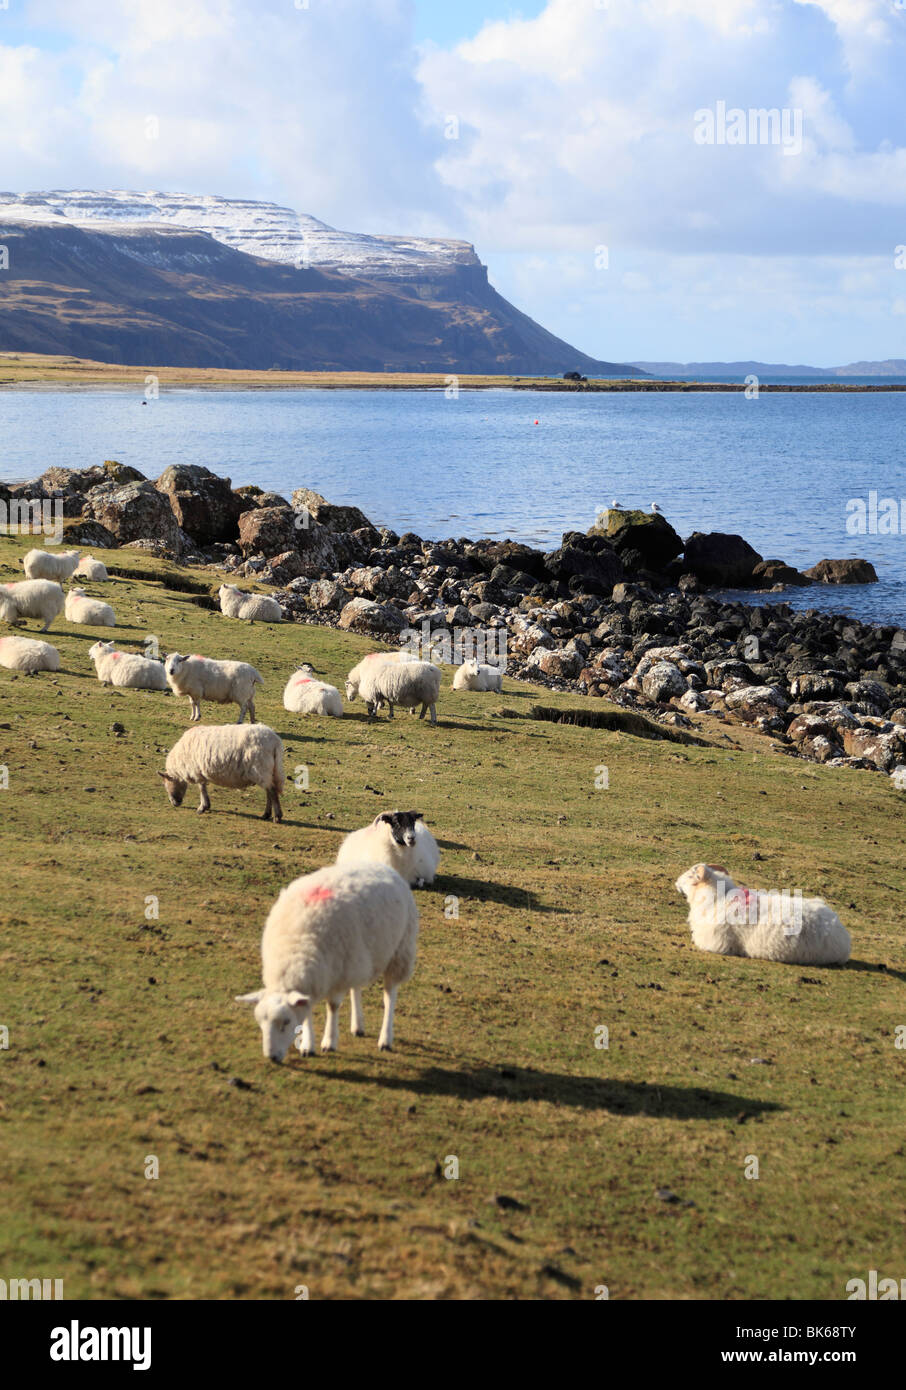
(488, 891)
(520, 1085)
(873, 967)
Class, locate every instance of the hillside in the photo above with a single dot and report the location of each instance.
(134, 292)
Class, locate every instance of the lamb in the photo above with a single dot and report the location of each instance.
(31, 598)
(88, 611)
(223, 682)
(354, 679)
(92, 569)
(229, 755)
(252, 608)
(474, 676)
(306, 696)
(334, 930)
(736, 921)
(405, 683)
(41, 564)
(398, 838)
(22, 654)
(127, 669)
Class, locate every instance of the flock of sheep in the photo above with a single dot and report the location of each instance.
(341, 928)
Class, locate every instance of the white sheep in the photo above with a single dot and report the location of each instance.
(783, 926)
(398, 838)
(127, 669)
(92, 569)
(90, 612)
(223, 682)
(229, 755)
(475, 676)
(22, 654)
(335, 930)
(406, 683)
(251, 608)
(367, 663)
(31, 598)
(41, 564)
(303, 695)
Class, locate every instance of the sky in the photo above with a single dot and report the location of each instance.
(587, 148)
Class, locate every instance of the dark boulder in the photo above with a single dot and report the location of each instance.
(726, 561)
(643, 540)
(842, 572)
(205, 506)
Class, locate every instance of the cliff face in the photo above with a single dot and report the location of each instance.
(137, 292)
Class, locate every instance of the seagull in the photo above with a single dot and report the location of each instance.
(615, 505)
(655, 508)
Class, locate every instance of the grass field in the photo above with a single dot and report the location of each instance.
(627, 1163)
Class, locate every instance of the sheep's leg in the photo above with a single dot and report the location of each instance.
(241, 719)
(385, 1041)
(268, 805)
(253, 718)
(205, 802)
(275, 805)
(304, 1034)
(331, 1039)
(433, 714)
(390, 703)
(196, 710)
(357, 1021)
(423, 711)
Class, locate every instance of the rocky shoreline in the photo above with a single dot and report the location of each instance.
(622, 611)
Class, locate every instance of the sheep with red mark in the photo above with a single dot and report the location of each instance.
(305, 695)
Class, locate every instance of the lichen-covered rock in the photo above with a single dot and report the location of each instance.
(326, 595)
(885, 751)
(329, 514)
(267, 531)
(205, 506)
(663, 681)
(558, 665)
(646, 535)
(375, 619)
(91, 534)
(132, 512)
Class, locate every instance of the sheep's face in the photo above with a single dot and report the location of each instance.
(173, 663)
(402, 825)
(99, 649)
(176, 789)
(352, 691)
(278, 1015)
(698, 875)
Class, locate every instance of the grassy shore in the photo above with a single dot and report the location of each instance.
(628, 1162)
(35, 369)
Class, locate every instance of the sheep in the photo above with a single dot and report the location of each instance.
(353, 680)
(92, 569)
(306, 696)
(22, 654)
(229, 755)
(88, 611)
(473, 676)
(334, 930)
(734, 921)
(405, 683)
(398, 838)
(31, 598)
(252, 608)
(126, 669)
(41, 564)
(223, 682)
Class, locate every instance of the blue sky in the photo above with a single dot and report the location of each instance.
(561, 137)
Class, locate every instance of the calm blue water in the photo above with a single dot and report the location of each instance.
(778, 470)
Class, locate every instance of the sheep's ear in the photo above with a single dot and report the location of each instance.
(383, 816)
(718, 868)
(416, 815)
(250, 998)
(297, 1000)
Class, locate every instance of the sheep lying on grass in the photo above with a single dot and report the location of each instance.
(331, 931)
(229, 755)
(31, 598)
(94, 570)
(23, 654)
(736, 921)
(303, 695)
(398, 838)
(405, 683)
(251, 608)
(474, 676)
(41, 564)
(223, 682)
(88, 611)
(368, 663)
(127, 669)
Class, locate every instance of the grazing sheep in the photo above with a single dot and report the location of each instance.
(398, 838)
(306, 696)
(473, 676)
(127, 669)
(335, 930)
(354, 679)
(22, 654)
(229, 755)
(736, 921)
(88, 611)
(251, 608)
(223, 682)
(31, 598)
(404, 683)
(92, 569)
(41, 564)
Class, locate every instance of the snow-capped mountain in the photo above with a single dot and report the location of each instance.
(259, 229)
